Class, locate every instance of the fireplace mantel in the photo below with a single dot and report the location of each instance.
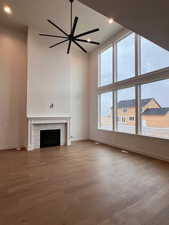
(34, 121)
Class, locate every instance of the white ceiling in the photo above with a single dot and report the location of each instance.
(35, 12)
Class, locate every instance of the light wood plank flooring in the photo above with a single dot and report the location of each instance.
(85, 184)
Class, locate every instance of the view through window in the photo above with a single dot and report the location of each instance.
(126, 57)
(106, 62)
(153, 57)
(155, 110)
(126, 110)
(106, 111)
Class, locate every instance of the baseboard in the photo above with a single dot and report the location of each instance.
(79, 140)
(9, 147)
(150, 155)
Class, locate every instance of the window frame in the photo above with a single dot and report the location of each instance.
(152, 71)
(136, 81)
(116, 55)
(99, 65)
(99, 111)
(124, 116)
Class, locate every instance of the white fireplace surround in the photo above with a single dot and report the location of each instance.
(38, 123)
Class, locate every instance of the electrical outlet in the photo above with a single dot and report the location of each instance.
(51, 106)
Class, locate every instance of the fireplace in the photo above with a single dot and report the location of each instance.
(38, 124)
(49, 138)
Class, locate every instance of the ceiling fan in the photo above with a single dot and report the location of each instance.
(71, 37)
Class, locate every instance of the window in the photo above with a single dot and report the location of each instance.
(125, 110)
(125, 58)
(123, 119)
(153, 57)
(119, 118)
(155, 115)
(106, 111)
(140, 105)
(131, 118)
(126, 100)
(106, 61)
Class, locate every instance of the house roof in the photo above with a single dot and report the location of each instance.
(131, 103)
(156, 111)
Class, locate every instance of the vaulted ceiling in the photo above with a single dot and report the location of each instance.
(34, 13)
(149, 18)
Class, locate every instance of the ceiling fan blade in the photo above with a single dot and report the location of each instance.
(57, 27)
(50, 35)
(58, 43)
(68, 49)
(72, 33)
(89, 42)
(74, 26)
(79, 46)
(88, 32)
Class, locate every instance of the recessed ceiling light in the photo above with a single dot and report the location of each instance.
(88, 40)
(111, 21)
(7, 9)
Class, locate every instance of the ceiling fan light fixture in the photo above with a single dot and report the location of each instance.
(71, 37)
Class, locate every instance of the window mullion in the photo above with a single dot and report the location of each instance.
(114, 110)
(99, 111)
(138, 87)
(99, 69)
(114, 92)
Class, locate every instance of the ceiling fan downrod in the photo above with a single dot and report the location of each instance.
(71, 14)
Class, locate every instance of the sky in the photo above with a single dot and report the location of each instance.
(153, 58)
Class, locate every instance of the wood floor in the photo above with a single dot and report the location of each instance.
(85, 184)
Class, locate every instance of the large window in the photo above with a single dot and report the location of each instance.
(126, 58)
(106, 111)
(155, 109)
(126, 110)
(153, 57)
(106, 63)
(139, 105)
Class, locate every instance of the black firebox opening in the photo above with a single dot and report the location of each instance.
(49, 138)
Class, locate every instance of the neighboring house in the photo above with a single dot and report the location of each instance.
(156, 117)
(153, 115)
(126, 109)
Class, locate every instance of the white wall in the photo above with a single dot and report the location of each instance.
(12, 88)
(48, 77)
(79, 95)
(145, 145)
(58, 78)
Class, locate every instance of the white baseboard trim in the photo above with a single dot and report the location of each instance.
(150, 155)
(11, 147)
(79, 139)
